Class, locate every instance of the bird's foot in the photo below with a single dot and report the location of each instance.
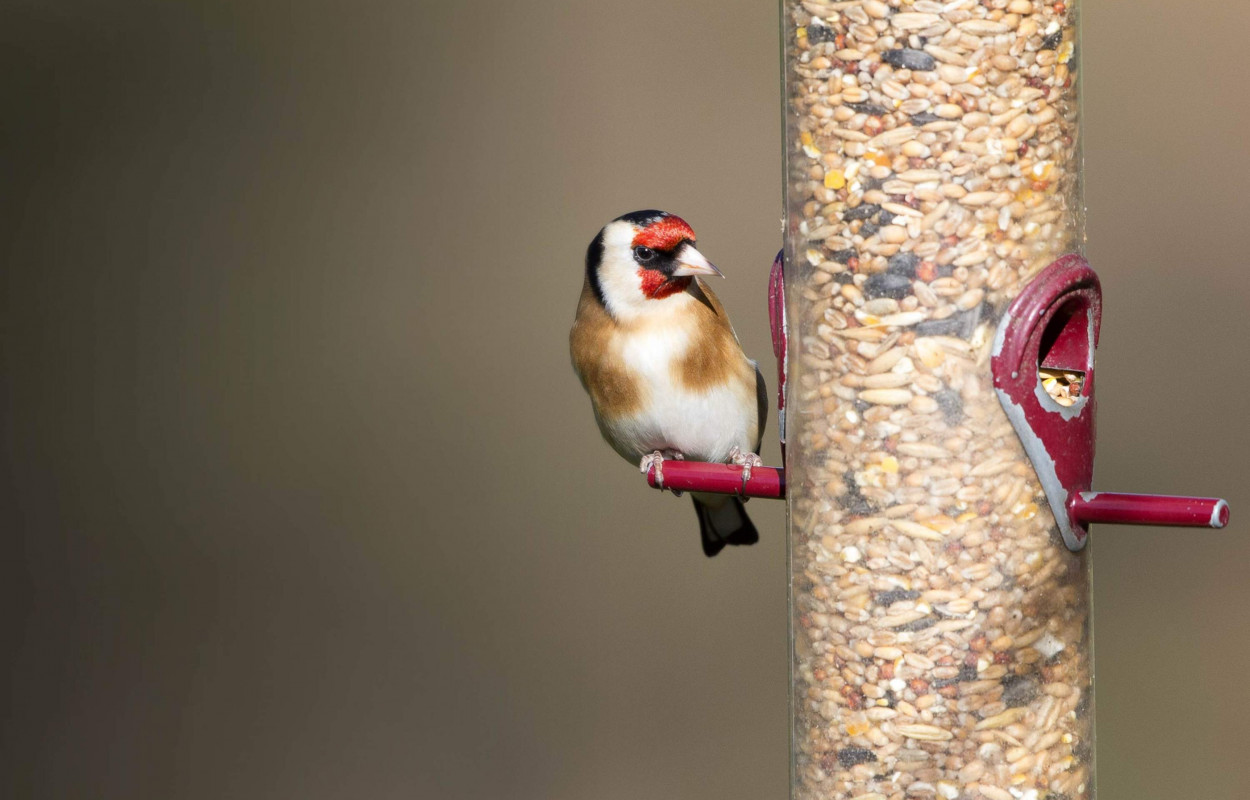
(656, 460)
(747, 461)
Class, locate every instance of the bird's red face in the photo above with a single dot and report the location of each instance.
(662, 238)
(642, 257)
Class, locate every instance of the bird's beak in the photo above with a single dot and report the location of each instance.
(692, 262)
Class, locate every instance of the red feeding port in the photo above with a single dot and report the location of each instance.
(1051, 329)
(777, 324)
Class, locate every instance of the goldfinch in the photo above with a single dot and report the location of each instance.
(664, 370)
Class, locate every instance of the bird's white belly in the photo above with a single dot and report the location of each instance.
(701, 425)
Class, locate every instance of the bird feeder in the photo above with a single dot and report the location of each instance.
(935, 323)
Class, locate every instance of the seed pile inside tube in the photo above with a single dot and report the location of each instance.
(941, 628)
(1064, 386)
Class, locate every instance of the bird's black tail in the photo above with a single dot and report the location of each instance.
(723, 520)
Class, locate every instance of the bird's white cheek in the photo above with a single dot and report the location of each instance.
(618, 275)
(622, 288)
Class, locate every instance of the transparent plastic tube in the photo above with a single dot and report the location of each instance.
(941, 629)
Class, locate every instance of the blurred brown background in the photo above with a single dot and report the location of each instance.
(301, 497)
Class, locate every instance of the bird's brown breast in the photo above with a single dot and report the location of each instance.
(593, 344)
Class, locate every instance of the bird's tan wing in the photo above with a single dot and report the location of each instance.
(714, 357)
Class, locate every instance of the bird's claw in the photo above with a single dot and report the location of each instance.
(747, 461)
(656, 460)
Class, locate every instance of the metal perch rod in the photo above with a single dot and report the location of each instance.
(700, 476)
(1149, 509)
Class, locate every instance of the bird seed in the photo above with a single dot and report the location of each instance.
(942, 632)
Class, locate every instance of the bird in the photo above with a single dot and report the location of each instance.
(666, 375)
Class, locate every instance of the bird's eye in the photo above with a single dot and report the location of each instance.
(643, 254)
